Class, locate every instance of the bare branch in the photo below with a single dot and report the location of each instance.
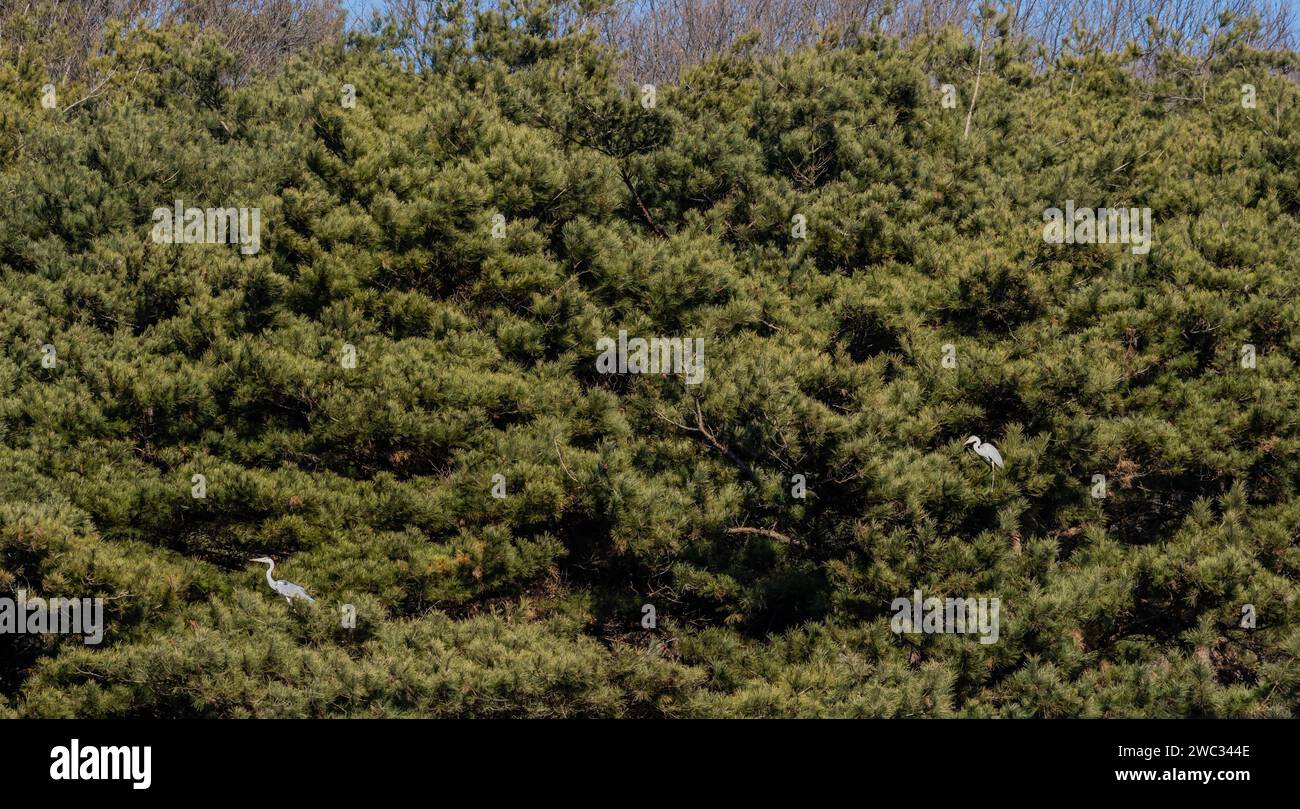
(770, 534)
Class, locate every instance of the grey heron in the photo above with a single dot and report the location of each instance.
(288, 589)
(986, 451)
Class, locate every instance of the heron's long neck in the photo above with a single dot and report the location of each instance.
(270, 580)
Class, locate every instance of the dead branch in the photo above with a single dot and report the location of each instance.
(703, 429)
(770, 534)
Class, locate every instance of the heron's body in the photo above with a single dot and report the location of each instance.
(986, 451)
(288, 589)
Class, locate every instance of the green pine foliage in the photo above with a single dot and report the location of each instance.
(475, 356)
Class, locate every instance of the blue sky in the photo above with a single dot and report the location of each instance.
(360, 9)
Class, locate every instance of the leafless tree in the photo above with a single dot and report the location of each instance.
(260, 33)
(657, 37)
(660, 37)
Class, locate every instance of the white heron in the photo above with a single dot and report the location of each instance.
(986, 451)
(288, 589)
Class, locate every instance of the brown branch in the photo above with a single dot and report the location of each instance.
(556, 440)
(98, 89)
(701, 428)
(721, 447)
(770, 534)
(644, 213)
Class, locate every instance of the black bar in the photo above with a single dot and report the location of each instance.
(996, 757)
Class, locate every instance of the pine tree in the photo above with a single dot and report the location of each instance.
(397, 396)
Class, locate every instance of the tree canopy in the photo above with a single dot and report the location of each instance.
(921, 306)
